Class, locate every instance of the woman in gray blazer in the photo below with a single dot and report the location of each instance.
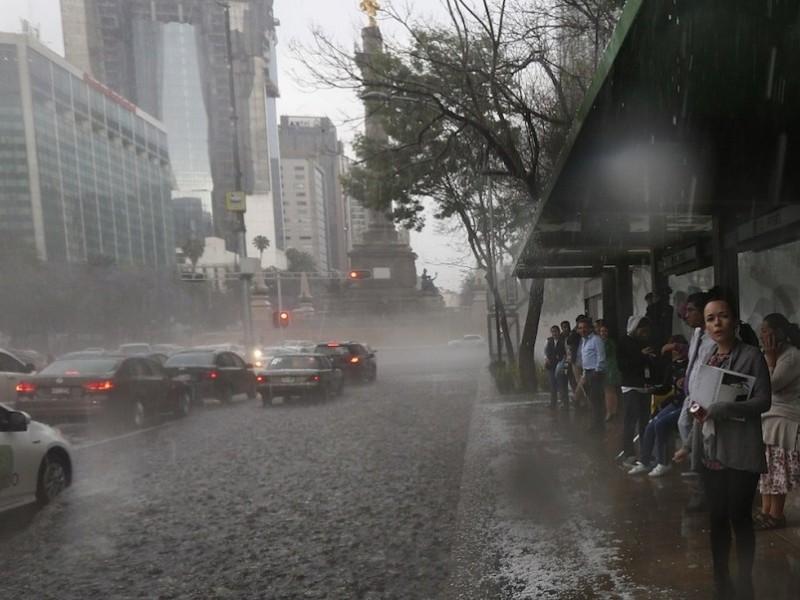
(727, 450)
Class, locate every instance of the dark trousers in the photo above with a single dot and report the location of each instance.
(637, 414)
(596, 393)
(730, 495)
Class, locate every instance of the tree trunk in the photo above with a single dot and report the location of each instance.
(527, 368)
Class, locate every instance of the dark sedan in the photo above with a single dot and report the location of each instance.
(121, 389)
(211, 373)
(356, 360)
(288, 375)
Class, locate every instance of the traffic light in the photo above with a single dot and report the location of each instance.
(281, 318)
(354, 274)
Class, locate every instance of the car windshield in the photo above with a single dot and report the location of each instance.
(190, 359)
(82, 366)
(293, 362)
(332, 350)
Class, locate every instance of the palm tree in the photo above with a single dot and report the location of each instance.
(193, 249)
(261, 242)
(300, 261)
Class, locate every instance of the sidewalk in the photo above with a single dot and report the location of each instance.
(545, 512)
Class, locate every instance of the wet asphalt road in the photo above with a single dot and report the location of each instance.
(352, 499)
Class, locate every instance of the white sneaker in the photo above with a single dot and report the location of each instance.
(660, 470)
(638, 468)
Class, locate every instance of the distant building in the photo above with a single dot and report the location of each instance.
(309, 146)
(170, 57)
(355, 213)
(84, 174)
(191, 219)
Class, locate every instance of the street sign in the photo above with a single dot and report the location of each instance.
(236, 201)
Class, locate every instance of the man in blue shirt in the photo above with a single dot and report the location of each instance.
(593, 358)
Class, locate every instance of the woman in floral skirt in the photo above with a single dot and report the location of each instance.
(781, 424)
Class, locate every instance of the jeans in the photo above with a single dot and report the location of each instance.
(656, 432)
(685, 421)
(637, 413)
(596, 393)
(730, 500)
(565, 378)
(558, 385)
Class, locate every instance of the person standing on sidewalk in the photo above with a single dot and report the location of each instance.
(634, 359)
(728, 451)
(593, 358)
(781, 424)
(554, 354)
(565, 366)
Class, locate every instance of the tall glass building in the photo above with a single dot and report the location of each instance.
(84, 174)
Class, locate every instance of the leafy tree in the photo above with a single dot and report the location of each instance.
(493, 91)
(299, 261)
(261, 242)
(193, 249)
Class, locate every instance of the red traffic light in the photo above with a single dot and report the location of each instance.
(281, 318)
(359, 274)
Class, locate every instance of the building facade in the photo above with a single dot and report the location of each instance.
(314, 142)
(304, 209)
(84, 174)
(171, 58)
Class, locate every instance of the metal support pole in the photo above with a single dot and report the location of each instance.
(247, 316)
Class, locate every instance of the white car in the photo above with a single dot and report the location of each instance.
(468, 341)
(35, 460)
(12, 370)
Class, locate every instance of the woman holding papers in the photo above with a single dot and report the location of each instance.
(781, 424)
(728, 450)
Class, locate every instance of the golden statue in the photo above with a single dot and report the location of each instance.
(370, 7)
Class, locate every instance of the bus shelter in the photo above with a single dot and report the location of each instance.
(684, 160)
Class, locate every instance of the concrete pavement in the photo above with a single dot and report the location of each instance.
(546, 512)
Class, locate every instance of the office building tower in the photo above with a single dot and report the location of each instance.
(84, 174)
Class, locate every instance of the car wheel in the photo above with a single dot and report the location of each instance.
(252, 392)
(184, 404)
(374, 375)
(324, 394)
(139, 416)
(266, 398)
(225, 394)
(52, 478)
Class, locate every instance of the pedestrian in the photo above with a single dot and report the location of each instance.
(593, 358)
(573, 341)
(731, 460)
(554, 354)
(635, 358)
(781, 423)
(565, 367)
(612, 376)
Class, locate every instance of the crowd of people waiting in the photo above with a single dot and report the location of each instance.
(659, 381)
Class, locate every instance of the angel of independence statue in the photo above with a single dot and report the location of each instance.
(370, 7)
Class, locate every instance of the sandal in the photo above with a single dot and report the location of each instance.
(769, 522)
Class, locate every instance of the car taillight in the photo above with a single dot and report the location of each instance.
(354, 359)
(212, 375)
(261, 379)
(314, 378)
(99, 386)
(25, 387)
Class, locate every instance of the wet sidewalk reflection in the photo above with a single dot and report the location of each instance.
(564, 520)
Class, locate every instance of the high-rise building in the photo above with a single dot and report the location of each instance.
(313, 140)
(84, 174)
(304, 193)
(191, 219)
(171, 58)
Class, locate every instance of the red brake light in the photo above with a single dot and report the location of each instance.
(212, 375)
(314, 378)
(261, 378)
(99, 386)
(354, 359)
(25, 387)
(332, 345)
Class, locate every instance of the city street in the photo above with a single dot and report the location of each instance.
(352, 499)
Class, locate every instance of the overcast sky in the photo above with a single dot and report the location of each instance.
(342, 21)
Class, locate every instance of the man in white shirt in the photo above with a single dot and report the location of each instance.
(593, 358)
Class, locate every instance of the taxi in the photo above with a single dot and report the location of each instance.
(35, 460)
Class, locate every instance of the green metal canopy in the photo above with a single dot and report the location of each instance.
(692, 117)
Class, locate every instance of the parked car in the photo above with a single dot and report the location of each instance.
(35, 460)
(108, 388)
(307, 375)
(12, 369)
(211, 373)
(468, 341)
(355, 359)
